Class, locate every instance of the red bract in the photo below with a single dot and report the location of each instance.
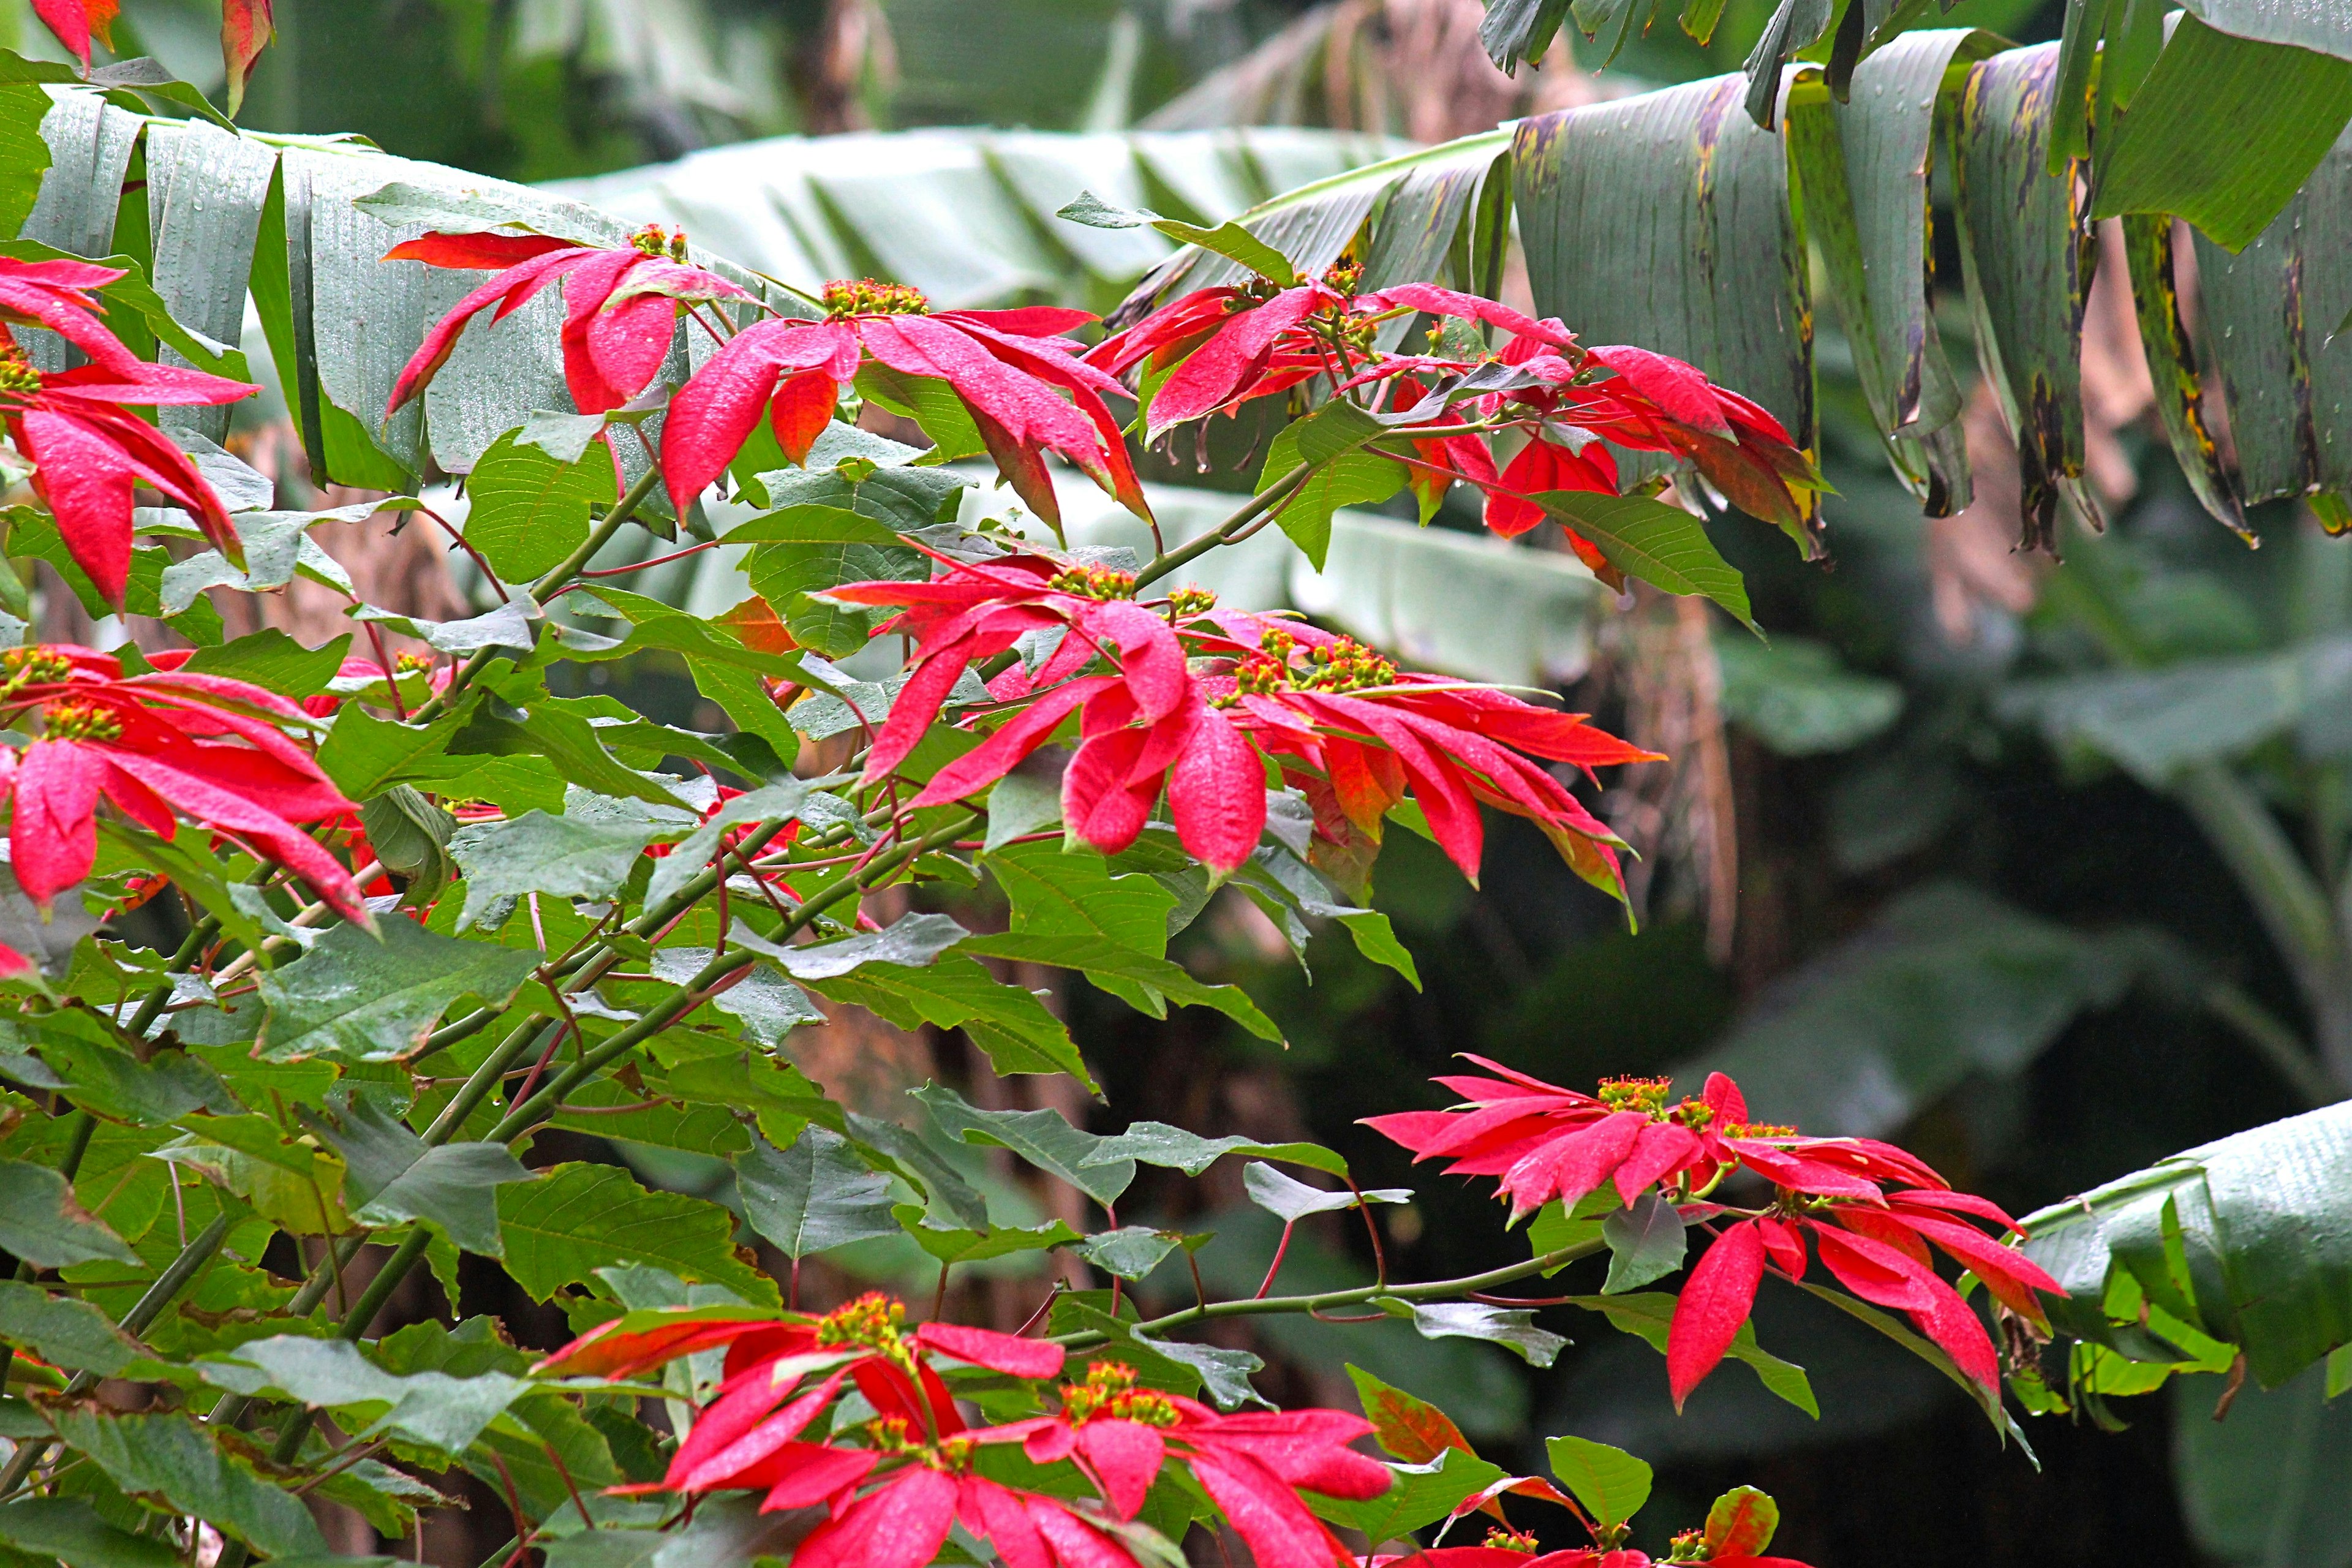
(1252, 1466)
(199, 744)
(247, 29)
(1143, 730)
(621, 305)
(1357, 735)
(1872, 1210)
(1025, 388)
(88, 452)
(61, 296)
(73, 21)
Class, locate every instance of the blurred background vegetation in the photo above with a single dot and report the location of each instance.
(2000, 857)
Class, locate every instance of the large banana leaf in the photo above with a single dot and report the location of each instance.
(2027, 248)
(2269, 313)
(1863, 166)
(302, 224)
(2248, 1240)
(1666, 220)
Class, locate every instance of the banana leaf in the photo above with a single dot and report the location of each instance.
(2027, 249)
(2248, 1239)
(2269, 312)
(1863, 165)
(1666, 220)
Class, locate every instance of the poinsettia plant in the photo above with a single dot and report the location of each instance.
(317, 946)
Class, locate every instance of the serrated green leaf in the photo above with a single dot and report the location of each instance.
(42, 1223)
(957, 1244)
(69, 1530)
(390, 1175)
(168, 1458)
(813, 1195)
(566, 857)
(65, 1331)
(1043, 1138)
(1008, 1023)
(528, 508)
(370, 999)
(432, 1408)
(585, 1217)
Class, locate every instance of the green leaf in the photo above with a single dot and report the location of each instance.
(1513, 1328)
(390, 1175)
(43, 1224)
(1332, 437)
(692, 855)
(2024, 237)
(362, 753)
(368, 998)
(813, 1195)
(271, 659)
(1228, 239)
(166, 1458)
(69, 1528)
(1224, 1374)
(1663, 545)
(568, 857)
(64, 1331)
(2253, 1488)
(1291, 1201)
(585, 1217)
(1611, 1483)
(906, 1152)
(1420, 1495)
(1520, 30)
(1133, 1251)
(724, 1532)
(1043, 1138)
(410, 835)
(431, 1407)
(23, 158)
(957, 1244)
(1159, 1143)
(1649, 1314)
(2246, 1238)
(1110, 964)
(1646, 1242)
(558, 729)
(528, 509)
(1008, 1023)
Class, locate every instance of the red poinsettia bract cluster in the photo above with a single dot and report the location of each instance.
(1217, 349)
(1197, 703)
(894, 1484)
(1871, 1212)
(86, 449)
(159, 746)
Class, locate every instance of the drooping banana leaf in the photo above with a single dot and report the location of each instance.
(2222, 132)
(2174, 362)
(2248, 1239)
(2218, 120)
(2027, 248)
(2268, 314)
(1863, 167)
(1666, 220)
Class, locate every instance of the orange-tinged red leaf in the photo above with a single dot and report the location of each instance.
(1741, 1523)
(246, 30)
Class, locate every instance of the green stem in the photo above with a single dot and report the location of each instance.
(158, 999)
(1435, 1290)
(569, 568)
(1274, 495)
